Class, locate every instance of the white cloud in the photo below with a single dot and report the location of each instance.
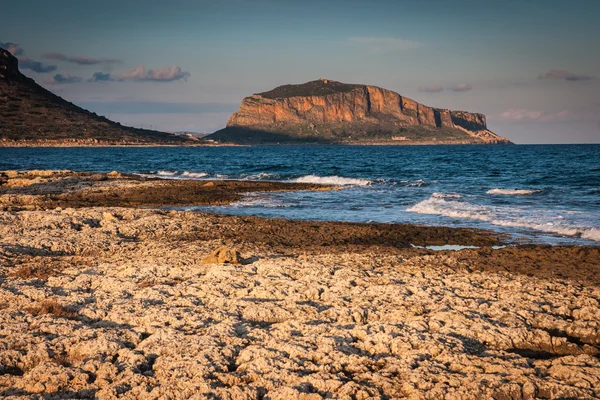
(566, 75)
(164, 74)
(461, 87)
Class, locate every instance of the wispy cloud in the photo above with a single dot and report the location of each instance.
(81, 60)
(164, 74)
(13, 48)
(431, 89)
(461, 87)
(566, 75)
(35, 66)
(523, 114)
(378, 44)
(101, 77)
(61, 79)
(26, 62)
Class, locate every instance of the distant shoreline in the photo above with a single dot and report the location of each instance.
(205, 144)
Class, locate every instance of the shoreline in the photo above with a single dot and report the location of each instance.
(102, 300)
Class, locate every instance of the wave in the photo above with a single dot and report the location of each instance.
(513, 192)
(195, 175)
(332, 180)
(166, 173)
(260, 176)
(446, 195)
(459, 209)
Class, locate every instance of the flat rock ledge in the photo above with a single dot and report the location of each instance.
(114, 303)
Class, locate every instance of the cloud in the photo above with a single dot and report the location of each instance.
(461, 87)
(26, 62)
(35, 66)
(384, 44)
(164, 74)
(523, 114)
(101, 77)
(431, 89)
(566, 75)
(13, 48)
(81, 60)
(60, 79)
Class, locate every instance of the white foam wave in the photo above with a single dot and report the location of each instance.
(332, 180)
(461, 209)
(446, 195)
(513, 192)
(417, 183)
(194, 175)
(260, 176)
(166, 173)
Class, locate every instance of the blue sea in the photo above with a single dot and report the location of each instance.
(534, 193)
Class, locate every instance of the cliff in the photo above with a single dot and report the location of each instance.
(32, 115)
(326, 111)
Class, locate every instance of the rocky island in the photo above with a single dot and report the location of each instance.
(33, 116)
(326, 111)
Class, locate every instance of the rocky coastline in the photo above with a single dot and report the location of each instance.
(105, 293)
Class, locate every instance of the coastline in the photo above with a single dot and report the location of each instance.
(106, 298)
(200, 143)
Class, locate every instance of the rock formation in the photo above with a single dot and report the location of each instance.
(31, 115)
(330, 111)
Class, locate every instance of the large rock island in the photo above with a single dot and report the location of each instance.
(326, 111)
(33, 116)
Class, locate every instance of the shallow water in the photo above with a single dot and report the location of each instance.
(544, 194)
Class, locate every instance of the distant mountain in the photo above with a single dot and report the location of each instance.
(325, 111)
(32, 115)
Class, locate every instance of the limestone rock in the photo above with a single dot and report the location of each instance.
(222, 255)
(98, 177)
(326, 110)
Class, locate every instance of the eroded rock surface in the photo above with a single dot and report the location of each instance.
(115, 303)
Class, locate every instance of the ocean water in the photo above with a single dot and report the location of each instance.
(535, 193)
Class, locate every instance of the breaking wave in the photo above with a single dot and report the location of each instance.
(332, 180)
(460, 209)
(166, 173)
(446, 195)
(194, 175)
(513, 192)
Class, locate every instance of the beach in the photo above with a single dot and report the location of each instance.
(106, 293)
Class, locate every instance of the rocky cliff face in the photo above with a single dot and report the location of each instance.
(31, 115)
(325, 110)
(9, 66)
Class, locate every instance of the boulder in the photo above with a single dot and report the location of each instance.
(222, 255)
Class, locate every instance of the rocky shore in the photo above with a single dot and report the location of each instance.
(103, 294)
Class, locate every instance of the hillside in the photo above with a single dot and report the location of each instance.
(325, 111)
(32, 115)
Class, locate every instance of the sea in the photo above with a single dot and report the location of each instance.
(533, 193)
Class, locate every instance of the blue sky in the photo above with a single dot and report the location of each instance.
(532, 67)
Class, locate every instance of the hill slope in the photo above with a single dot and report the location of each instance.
(30, 114)
(325, 111)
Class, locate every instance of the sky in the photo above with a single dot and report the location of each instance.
(533, 67)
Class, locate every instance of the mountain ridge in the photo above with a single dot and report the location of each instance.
(31, 115)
